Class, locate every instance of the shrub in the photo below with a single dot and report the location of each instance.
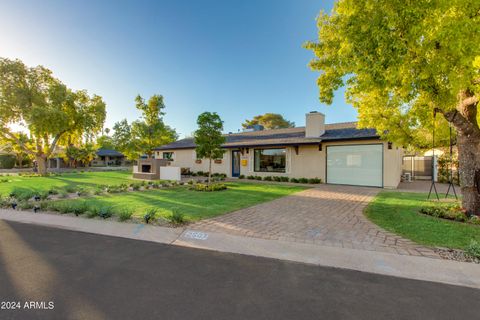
(294, 180)
(149, 215)
(62, 194)
(105, 212)
(276, 178)
(53, 190)
(70, 189)
(284, 179)
(241, 176)
(93, 211)
(125, 214)
(25, 205)
(251, 177)
(258, 178)
(211, 187)
(473, 249)
(62, 207)
(474, 220)
(303, 180)
(177, 217)
(193, 174)
(136, 186)
(7, 161)
(200, 173)
(267, 178)
(22, 194)
(314, 180)
(79, 208)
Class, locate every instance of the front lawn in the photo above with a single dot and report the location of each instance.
(194, 205)
(87, 180)
(398, 212)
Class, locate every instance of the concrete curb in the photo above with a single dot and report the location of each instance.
(411, 267)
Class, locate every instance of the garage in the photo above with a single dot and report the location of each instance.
(359, 165)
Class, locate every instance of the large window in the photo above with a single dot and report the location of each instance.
(168, 156)
(270, 160)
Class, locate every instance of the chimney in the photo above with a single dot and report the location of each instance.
(314, 124)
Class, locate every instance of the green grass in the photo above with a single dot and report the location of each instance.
(194, 205)
(398, 212)
(87, 180)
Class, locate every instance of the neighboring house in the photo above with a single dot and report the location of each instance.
(337, 153)
(106, 157)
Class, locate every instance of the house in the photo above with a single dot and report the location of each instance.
(336, 153)
(106, 157)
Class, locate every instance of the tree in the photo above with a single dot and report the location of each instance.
(17, 149)
(83, 154)
(50, 111)
(144, 134)
(269, 121)
(105, 142)
(401, 62)
(209, 139)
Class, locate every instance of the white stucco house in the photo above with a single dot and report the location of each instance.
(337, 153)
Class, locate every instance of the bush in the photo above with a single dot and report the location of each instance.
(303, 180)
(241, 176)
(314, 181)
(105, 212)
(79, 208)
(149, 215)
(267, 178)
(93, 212)
(53, 190)
(473, 249)
(62, 207)
(277, 179)
(284, 179)
(70, 189)
(177, 217)
(259, 178)
(25, 205)
(125, 214)
(474, 220)
(251, 177)
(200, 173)
(22, 194)
(211, 187)
(7, 161)
(294, 180)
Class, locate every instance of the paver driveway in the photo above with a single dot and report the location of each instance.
(327, 215)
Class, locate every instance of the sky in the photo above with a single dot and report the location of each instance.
(236, 58)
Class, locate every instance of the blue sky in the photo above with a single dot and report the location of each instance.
(237, 58)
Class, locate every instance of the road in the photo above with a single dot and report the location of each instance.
(74, 275)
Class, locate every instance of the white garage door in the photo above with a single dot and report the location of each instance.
(360, 165)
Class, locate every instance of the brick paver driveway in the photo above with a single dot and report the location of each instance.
(328, 215)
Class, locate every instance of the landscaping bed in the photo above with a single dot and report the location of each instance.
(172, 202)
(400, 213)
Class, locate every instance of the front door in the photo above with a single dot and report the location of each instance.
(235, 163)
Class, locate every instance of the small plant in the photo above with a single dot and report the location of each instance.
(125, 214)
(53, 191)
(251, 177)
(62, 194)
(149, 215)
(241, 176)
(294, 180)
(314, 180)
(258, 178)
(105, 212)
(22, 194)
(267, 178)
(474, 220)
(284, 179)
(176, 217)
(79, 208)
(70, 189)
(211, 187)
(25, 205)
(473, 249)
(93, 212)
(303, 180)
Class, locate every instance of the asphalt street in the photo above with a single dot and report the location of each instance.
(48, 273)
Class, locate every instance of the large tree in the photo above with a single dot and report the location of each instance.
(46, 107)
(16, 148)
(144, 134)
(269, 121)
(401, 62)
(209, 139)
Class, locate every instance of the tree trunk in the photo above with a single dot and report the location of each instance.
(209, 169)
(20, 161)
(469, 166)
(41, 164)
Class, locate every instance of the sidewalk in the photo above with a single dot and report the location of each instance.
(413, 267)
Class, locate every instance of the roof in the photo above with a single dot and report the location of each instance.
(289, 136)
(108, 153)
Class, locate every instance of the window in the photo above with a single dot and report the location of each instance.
(167, 156)
(270, 160)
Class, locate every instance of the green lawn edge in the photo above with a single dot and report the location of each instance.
(398, 212)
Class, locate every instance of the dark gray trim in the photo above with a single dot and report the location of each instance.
(353, 144)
